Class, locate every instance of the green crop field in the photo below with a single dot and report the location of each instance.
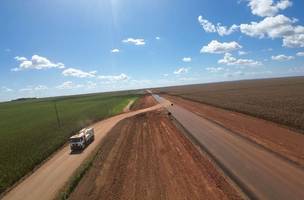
(280, 100)
(29, 131)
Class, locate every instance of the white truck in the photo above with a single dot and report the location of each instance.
(81, 140)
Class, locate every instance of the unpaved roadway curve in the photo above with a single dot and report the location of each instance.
(259, 172)
(46, 182)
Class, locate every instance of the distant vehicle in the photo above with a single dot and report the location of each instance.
(81, 140)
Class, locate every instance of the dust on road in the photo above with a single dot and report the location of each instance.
(146, 157)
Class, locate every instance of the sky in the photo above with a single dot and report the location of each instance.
(53, 48)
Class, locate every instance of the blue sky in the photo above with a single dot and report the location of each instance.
(57, 47)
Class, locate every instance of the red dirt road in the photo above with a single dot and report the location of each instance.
(48, 180)
(260, 173)
(146, 157)
(144, 102)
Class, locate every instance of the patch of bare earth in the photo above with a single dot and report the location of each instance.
(146, 157)
(274, 137)
(145, 101)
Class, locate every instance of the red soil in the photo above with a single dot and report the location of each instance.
(147, 157)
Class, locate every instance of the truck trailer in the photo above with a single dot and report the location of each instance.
(82, 139)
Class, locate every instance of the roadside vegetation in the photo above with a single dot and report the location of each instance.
(76, 177)
(30, 130)
(280, 100)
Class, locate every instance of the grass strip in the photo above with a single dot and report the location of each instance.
(76, 177)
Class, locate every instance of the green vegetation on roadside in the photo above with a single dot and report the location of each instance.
(280, 100)
(76, 177)
(30, 132)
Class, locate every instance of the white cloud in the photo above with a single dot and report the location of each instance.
(113, 78)
(165, 75)
(157, 38)
(216, 47)
(300, 53)
(69, 85)
(20, 58)
(241, 53)
(296, 39)
(282, 57)
(36, 62)
(134, 41)
(223, 30)
(230, 60)
(78, 73)
(93, 74)
(207, 26)
(187, 59)
(33, 88)
(115, 50)
(211, 28)
(6, 89)
(267, 8)
(273, 27)
(215, 69)
(182, 70)
(278, 26)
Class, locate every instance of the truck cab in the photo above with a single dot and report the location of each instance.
(82, 139)
(77, 142)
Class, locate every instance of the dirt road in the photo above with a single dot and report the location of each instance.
(44, 183)
(144, 102)
(147, 157)
(262, 174)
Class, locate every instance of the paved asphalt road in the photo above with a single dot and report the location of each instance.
(260, 173)
(46, 182)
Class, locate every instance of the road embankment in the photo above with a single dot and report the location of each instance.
(147, 157)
